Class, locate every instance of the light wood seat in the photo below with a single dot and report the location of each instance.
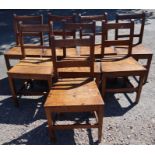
(108, 51)
(75, 94)
(125, 65)
(137, 51)
(32, 66)
(15, 52)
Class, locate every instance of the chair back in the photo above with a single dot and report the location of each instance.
(128, 17)
(26, 20)
(78, 28)
(96, 18)
(69, 62)
(27, 29)
(58, 23)
(121, 42)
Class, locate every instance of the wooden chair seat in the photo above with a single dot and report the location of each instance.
(108, 51)
(74, 95)
(76, 92)
(139, 50)
(80, 69)
(125, 65)
(15, 52)
(32, 67)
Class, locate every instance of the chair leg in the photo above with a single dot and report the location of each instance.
(97, 80)
(49, 83)
(141, 81)
(148, 68)
(8, 66)
(13, 91)
(103, 86)
(50, 124)
(100, 122)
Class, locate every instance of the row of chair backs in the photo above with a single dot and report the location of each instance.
(130, 17)
(57, 20)
(68, 27)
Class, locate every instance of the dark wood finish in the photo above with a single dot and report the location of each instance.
(91, 18)
(116, 26)
(95, 18)
(61, 19)
(71, 94)
(139, 50)
(26, 20)
(120, 65)
(26, 29)
(84, 51)
(129, 17)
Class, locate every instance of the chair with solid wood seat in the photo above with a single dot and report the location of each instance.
(139, 51)
(31, 68)
(121, 66)
(74, 95)
(15, 52)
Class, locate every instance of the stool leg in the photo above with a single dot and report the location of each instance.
(141, 81)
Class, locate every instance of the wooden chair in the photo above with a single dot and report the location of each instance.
(117, 67)
(139, 51)
(36, 68)
(76, 52)
(15, 52)
(73, 94)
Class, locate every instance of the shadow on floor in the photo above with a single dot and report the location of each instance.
(32, 110)
(114, 109)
